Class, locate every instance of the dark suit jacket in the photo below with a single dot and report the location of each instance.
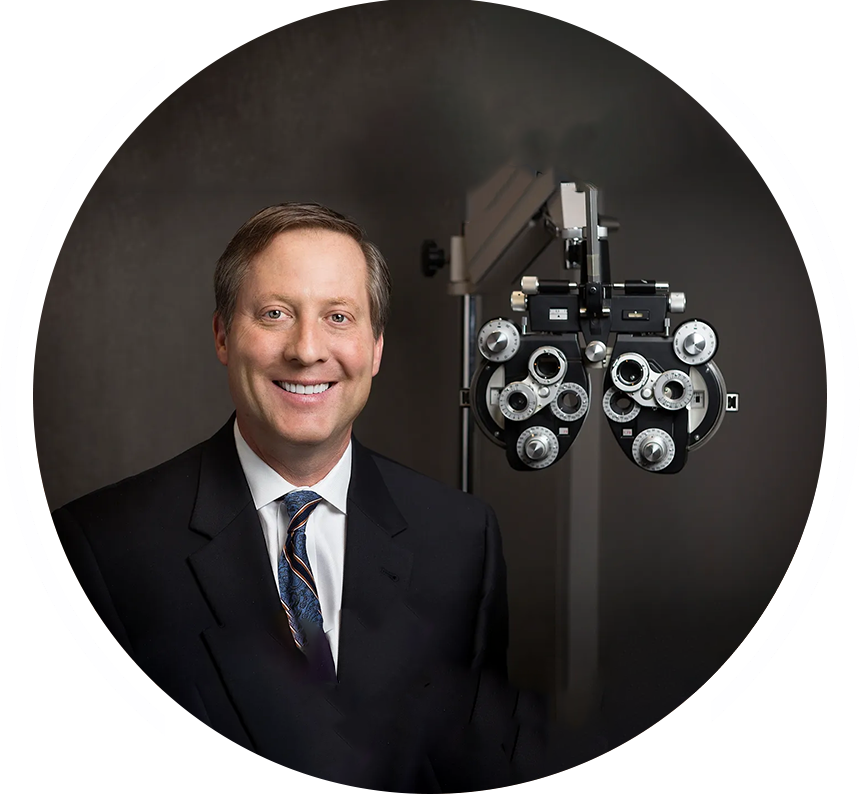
(174, 561)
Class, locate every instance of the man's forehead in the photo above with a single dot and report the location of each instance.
(296, 245)
(289, 268)
(310, 236)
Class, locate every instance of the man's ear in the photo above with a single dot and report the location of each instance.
(377, 354)
(219, 331)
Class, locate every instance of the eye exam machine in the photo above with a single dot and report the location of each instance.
(525, 379)
(575, 345)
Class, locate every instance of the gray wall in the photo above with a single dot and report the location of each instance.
(392, 112)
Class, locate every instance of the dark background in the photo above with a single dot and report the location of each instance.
(392, 112)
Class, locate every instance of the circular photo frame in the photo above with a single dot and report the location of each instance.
(392, 114)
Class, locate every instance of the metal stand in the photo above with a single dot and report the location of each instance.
(467, 327)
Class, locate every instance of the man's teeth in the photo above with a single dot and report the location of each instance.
(299, 388)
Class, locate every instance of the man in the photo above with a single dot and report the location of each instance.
(295, 591)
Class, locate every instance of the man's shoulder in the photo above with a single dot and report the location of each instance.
(160, 485)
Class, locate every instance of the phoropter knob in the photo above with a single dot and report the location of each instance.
(536, 448)
(653, 450)
(519, 301)
(677, 302)
(497, 341)
(694, 344)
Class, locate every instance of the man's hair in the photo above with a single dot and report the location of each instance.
(256, 234)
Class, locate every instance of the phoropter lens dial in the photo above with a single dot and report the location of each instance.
(673, 390)
(517, 401)
(547, 365)
(619, 406)
(570, 403)
(629, 372)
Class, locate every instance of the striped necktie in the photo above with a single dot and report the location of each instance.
(295, 580)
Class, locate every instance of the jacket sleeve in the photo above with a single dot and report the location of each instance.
(491, 631)
(85, 565)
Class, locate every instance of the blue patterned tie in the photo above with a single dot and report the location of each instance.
(295, 580)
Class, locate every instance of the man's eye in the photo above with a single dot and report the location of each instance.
(337, 317)
(274, 314)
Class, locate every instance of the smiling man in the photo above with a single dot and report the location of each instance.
(301, 346)
(293, 590)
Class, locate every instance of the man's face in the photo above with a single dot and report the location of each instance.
(300, 353)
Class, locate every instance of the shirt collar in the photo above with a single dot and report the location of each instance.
(267, 485)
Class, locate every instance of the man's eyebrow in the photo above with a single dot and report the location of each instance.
(335, 301)
(263, 297)
(342, 302)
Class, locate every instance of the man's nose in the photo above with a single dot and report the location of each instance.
(307, 345)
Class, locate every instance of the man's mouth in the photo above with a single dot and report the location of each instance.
(302, 388)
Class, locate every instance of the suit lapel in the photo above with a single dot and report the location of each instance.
(376, 622)
(251, 644)
(233, 569)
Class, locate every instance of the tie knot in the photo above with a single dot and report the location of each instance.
(300, 501)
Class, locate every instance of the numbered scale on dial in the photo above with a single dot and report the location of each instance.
(673, 390)
(619, 406)
(499, 340)
(695, 342)
(570, 403)
(653, 449)
(537, 447)
(518, 401)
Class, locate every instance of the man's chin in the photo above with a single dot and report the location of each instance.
(308, 440)
(306, 443)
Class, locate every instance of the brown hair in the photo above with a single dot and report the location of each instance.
(257, 232)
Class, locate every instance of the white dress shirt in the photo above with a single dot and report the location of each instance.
(325, 530)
